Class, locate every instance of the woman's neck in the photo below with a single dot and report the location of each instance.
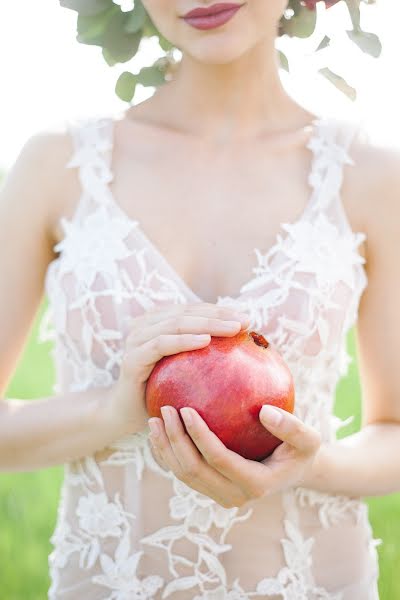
(233, 101)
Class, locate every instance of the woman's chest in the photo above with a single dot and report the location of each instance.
(206, 214)
(303, 292)
(207, 210)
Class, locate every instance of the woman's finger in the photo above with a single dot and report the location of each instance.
(161, 445)
(250, 476)
(201, 309)
(156, 455)
(190, 471)
(140, 360)
(194, 468)
(184, 324)
(290, 429)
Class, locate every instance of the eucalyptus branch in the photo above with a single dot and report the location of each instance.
(119, 26)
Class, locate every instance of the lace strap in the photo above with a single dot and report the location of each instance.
(92, 152)
(330, 146)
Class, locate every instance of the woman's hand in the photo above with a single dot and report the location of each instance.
(204, 463)
(156, 334)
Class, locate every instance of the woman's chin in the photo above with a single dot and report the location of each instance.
(216, 52)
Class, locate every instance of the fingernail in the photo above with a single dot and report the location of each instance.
(187, 417)
(271, 414)
(154, 427)
(166, 413)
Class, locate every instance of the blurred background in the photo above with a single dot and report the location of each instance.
(47, 79)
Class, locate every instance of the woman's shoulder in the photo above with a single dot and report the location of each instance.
(375, 166)
(41, 164)
(370, 154)
(41, 159)
(49, 145)
(372, 187)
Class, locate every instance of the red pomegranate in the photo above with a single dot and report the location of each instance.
(227, 383)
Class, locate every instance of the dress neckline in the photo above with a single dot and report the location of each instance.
(314, 143)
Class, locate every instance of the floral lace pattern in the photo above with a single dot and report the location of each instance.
(304, 296)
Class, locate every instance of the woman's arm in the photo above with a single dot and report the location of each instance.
(31, 194)
(368, 462)
(50, 431)
(53, 430)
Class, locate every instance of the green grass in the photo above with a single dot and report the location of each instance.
(28, 501)
(384, 511)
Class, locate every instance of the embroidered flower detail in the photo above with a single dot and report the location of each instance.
(65, 543)
(291, 582)
(220, 594)
(120, 575)
(84, 472)
(319, 248)
(93, 139)
(198, 510)
(94, 245)
(98, 516)
(152, 286)
(135, 450)
(331, 509)
(329, 153)
(235, 593)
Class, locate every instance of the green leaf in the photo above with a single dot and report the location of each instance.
(136, 18)
(91, 29)
(301, 24)
(283, 61)
(108, 57)
(87, 8)
(323, 44)
(150, 76)
(367, 42)
(164, 43)
(339, 82)
(125, 86)
(120, 46)
(150, 29)
(353, 6)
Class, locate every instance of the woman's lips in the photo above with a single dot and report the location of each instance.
(210, 21)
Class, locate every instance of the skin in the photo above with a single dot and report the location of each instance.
(224, 108)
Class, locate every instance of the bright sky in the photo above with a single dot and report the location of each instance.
(47, 77)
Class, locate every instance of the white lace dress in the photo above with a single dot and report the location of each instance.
(129, 530)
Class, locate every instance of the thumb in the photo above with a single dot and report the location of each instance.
(290, 429)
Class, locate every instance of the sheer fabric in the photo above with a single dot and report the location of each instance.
(129, 530)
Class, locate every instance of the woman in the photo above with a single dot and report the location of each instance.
(145, 244)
